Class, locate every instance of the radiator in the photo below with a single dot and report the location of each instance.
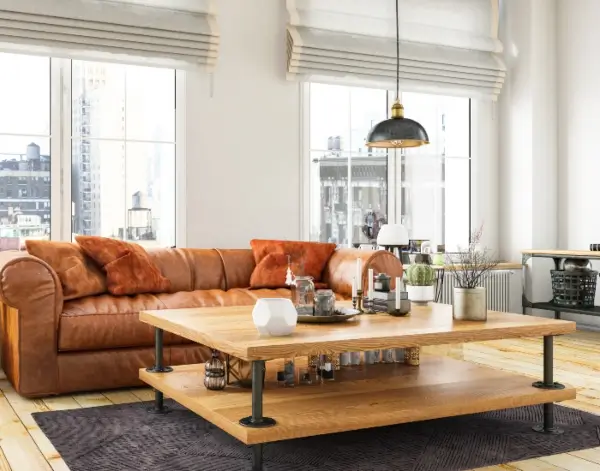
(497, 284)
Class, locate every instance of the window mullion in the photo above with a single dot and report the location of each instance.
(60, 171)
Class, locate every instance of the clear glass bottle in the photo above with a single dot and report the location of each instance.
(303, 295)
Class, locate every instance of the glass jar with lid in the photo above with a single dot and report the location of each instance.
(324, 302)
(303, 295)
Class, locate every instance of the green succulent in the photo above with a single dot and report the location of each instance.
(420, 274)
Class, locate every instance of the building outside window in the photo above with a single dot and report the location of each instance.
(354, 190)
(24, 146)
(121, 164)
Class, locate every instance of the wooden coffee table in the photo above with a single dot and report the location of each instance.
(360, 397)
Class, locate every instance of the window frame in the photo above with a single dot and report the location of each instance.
(61, 152)
(394, 171)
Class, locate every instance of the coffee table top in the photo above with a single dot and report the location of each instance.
(231, 330)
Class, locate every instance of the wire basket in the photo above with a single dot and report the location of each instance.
(574, 288)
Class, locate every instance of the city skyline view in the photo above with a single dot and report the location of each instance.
(122, 162)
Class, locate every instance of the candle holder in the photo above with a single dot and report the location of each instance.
(357, 302)
(369, 306)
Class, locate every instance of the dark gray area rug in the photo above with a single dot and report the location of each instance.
(126, 437)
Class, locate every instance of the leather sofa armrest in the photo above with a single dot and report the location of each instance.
(26, 281)
(33, 300)
(341, 268)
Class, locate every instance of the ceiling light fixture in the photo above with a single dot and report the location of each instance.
(397, 131)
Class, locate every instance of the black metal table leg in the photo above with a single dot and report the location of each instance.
(158, 368)
(548, 383)
(257, 458)
(256, 420)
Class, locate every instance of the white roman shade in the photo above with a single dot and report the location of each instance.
(131, 31)
(446, 46)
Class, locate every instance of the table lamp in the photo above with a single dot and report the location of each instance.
(394, 236)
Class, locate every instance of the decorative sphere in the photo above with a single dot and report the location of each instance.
(274, 316)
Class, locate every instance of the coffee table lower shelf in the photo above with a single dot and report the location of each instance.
(373, 396)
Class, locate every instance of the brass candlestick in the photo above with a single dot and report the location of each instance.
(357, 301)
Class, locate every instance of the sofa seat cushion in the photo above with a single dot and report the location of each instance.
(104, 322)
(101, 322)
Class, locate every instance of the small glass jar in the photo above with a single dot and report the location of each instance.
(327, 372)
(281, 379)
(399, 355)
(214, 373)
(303, 295)
(334, 360)
(324, 302)
(387, 355)
(304, 376)
(372, 357)
(289, 372)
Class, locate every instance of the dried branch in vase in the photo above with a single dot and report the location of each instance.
(471, 265)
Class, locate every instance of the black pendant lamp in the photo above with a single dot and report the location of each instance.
(397, 131)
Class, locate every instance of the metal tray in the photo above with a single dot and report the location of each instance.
(341, 315)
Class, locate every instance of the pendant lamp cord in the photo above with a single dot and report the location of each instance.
(397, 53)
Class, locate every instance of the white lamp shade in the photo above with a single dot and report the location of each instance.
(392, 234)
(274, 316)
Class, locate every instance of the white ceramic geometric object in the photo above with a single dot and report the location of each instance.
(275, 316)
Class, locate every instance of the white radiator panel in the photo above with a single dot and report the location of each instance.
(497, 284)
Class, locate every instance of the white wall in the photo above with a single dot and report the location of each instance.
(528, 137)
(243, 134)
(579, 125)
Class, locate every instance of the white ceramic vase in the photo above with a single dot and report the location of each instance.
(470, 304)
(275, 316)
(420, 294)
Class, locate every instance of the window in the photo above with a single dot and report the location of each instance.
(348, 182)
(123, 152)
(24, 145)
(427, 189)
(120, 122)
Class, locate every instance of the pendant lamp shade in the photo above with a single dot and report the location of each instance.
(397, 131)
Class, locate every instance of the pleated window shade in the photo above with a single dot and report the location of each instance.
(111, 30)
(447, 46)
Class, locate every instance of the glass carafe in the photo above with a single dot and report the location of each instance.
(303, 295)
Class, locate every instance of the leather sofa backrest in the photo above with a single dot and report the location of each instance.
(198, 269)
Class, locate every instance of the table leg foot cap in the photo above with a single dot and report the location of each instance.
(548, 431)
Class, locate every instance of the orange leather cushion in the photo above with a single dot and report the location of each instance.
(129, 269)
(78, 275)
(271, 257)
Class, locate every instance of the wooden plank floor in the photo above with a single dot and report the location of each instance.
(23, 446)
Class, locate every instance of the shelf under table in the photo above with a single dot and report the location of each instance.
(360, 397)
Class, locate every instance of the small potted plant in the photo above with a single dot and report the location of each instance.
(419, 283)
(470, 267)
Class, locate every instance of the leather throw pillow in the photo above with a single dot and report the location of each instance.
(78, 274)
(129, 269)
(271, 258)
